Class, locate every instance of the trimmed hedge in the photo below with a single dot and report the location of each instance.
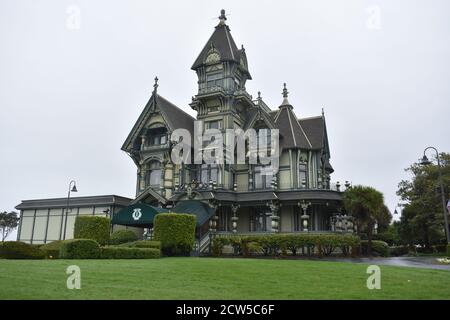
(122, 236)
(92, 227)
(20, 250)
(276, 244)
(176, 233)
(129, 253)
(378, 247)
(142, 244)
(51, 249)
(79, 249)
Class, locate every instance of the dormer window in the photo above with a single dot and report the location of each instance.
(157, 140)
(214, 80)
(264, 138)
(217, 124)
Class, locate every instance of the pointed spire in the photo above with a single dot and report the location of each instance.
(155, 86)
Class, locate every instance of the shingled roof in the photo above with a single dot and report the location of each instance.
(314, 128)
(173, 116)
(223, 42)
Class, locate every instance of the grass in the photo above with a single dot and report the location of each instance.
(216, 278)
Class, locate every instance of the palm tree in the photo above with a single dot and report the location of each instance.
(366, 205)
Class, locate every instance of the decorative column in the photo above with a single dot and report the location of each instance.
(250, 178)
(274, 207)
(143, 142)
(305, 217)
(234, 218)
(163, 177)
(142, 180)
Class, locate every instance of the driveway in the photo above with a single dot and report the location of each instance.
(415, 262)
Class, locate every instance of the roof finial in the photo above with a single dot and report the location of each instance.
(323, 112)
(285, 92)
(222, 16)
(259, 95)
(285, 97)
(155, 86)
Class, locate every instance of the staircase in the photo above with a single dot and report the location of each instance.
(201, 246)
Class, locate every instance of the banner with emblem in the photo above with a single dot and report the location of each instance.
(137, 215)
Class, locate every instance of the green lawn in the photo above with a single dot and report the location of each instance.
(214, 278)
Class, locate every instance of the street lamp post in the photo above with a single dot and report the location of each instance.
(425, 161)
(71, 189)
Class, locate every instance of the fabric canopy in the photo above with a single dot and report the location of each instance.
(137, 215)
(200, 209)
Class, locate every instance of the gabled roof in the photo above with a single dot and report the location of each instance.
(257, 113)
(149, 193)
(173, 116)
(223, 42)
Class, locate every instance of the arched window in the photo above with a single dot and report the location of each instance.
(302, 174)
(154, 174)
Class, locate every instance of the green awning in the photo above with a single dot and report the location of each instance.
(200, 209)
(137, 215)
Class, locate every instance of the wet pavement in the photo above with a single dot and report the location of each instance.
(415, 262)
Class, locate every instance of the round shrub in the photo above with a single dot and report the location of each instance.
(129, 253)
(176, 233)
(122, 236)
(92, 227)
(378, 247)
(20, 250)
(79, 249)
(51, 249)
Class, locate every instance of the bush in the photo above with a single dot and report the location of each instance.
(122, 236)
(79, 249)
(440, 248)
(448, 250)
(142, 244)
(20, 250)
(176, 233)
(398, 251)
(92, 227)
(378, 247)
(275, 244)
(129, 253)
(51, 249)
(217, 246)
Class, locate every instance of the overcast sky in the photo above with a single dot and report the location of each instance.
(75, 75)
